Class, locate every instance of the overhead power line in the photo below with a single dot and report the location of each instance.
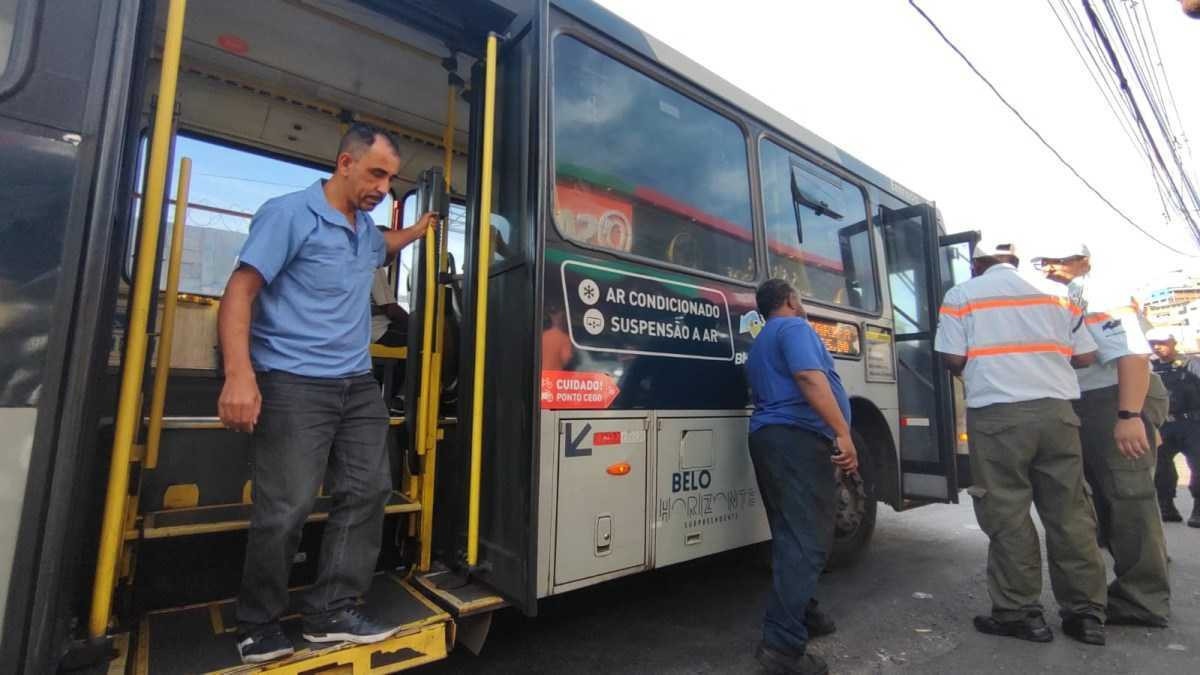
(1040, 137)
(1100, 32)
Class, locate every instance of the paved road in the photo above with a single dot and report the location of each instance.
(906, 608)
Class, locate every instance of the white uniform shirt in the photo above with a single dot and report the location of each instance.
(381, 294)
(1018, 335)
(1114, 324)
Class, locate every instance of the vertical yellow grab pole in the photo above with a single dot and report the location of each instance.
(424, 402)
(481, 299)
(128, 414)
(426, 337)
(432, 409)
(162, 369)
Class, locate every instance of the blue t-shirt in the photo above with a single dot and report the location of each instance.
(787, 345)
(313, 314)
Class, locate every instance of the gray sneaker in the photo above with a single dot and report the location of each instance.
(263, 644)
(346, 625)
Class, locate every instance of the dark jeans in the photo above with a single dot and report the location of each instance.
(795, 476)
(1178, 436)
(309, 426)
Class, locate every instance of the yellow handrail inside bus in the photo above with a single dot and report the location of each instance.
(432, 409)
(426, 338)
(128, 414)
(166, 334)
(481, 299)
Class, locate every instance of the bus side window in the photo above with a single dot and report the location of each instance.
(643, 169)
(818, 235)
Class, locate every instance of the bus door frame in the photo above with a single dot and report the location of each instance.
(957, 394)
(941, 418)
(52, 533)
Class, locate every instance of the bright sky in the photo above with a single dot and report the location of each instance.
(874, 79)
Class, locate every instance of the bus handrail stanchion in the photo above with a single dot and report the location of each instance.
(423, 403)
(432, 409)
(166, 333)
(128, 415)
(481, 300)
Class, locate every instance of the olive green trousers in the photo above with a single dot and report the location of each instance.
(1029, 453)
(1127, 506)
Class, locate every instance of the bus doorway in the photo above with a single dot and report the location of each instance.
(928, 408)
(247, 101)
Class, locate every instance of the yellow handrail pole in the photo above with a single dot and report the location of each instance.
(439, 315)
(423, 402)
(128, 415)
(426, 338)
(481, 299)
(431, 408)
(166, 334)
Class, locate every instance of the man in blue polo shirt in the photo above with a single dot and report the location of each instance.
(799, 431)
(295, 327)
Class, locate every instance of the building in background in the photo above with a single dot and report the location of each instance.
(1173, 301)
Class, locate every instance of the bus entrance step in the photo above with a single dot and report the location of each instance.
(230, 517)
(202, 638)
(458, 594)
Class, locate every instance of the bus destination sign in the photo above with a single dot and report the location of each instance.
(840, 338)
(611, 310)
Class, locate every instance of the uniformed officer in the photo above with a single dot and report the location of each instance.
(1116, 427)
(1015, 341)
(1181, 433)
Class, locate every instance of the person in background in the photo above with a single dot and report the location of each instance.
(1181, 432)
(1016, 342)
(799, 433)
(295, 327)
(1117, 426)
(557, 350)
(389, 321)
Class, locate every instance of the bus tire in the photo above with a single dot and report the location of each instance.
(856, 504)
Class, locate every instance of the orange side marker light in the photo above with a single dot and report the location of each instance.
(619, 469)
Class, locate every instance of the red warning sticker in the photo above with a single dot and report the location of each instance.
(606, 438)
(564, 389)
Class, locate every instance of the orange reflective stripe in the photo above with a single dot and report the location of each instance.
(1019, 348)
(1100, 317)
(1010, 303)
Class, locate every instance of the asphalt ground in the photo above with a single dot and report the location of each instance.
(906, 607)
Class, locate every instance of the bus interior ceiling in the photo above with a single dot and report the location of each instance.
(285, 75)
(280, 78)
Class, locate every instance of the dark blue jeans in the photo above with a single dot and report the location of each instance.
(795, 476)
(309, 427)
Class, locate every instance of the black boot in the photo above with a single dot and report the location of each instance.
(1194, 520)
(1170, 514)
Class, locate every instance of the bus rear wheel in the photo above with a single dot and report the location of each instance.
(854, 515)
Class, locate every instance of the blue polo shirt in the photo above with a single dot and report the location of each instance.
(313, 314)
(787, 345)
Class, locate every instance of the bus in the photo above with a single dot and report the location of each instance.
(570, 404)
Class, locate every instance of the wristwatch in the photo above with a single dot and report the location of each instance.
(1129, 414)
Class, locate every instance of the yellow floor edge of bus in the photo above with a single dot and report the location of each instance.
(201, 638)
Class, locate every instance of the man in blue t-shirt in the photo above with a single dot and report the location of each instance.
(295, 327)
(799, 432)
